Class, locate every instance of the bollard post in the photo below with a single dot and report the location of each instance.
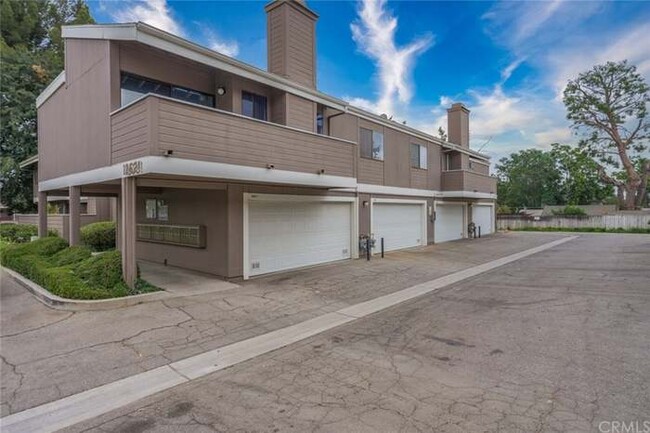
(479, 232)
(382, 248)
(368, 248)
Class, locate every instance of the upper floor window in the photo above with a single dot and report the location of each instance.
(372, 144)
(253, 105)
(133, 87)
(418, 156)
(320, 120)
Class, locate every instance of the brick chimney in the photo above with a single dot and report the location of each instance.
(291, 40)
(458, 124)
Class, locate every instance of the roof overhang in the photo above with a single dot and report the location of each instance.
(151, 36)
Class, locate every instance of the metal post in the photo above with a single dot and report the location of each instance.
(479, 231)
(382, 248)
(368, 248)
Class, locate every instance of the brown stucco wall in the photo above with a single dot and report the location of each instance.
(190, 207)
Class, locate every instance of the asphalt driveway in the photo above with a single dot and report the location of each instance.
(556, 342)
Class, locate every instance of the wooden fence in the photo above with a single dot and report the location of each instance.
(615, 221)
(58, 222)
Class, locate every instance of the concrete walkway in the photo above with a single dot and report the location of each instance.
(80, 407)
(47, 355)
(182, 282)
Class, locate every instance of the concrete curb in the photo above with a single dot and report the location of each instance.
(59, 303)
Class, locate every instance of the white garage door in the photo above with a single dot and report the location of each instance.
(449, 222)
(401, 225)
(285, 235)
(482, 216)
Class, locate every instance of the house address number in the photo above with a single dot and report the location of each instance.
(132, 168)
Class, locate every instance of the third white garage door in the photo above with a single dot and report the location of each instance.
(291, 232)
(401, 224)
(449, 223)
(482, 217)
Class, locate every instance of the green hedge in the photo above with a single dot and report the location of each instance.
(583, 230)
(71, 272)
(570, 211)
(19, 233)
(99, 236)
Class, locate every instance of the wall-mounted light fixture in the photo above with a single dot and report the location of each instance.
(221, 90)
(365, 203)
(168, 152)
(270, 166)
(321, 171)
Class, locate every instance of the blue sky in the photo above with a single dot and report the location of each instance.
(507, 61)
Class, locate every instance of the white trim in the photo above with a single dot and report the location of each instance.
(354, 215)
(466, 194)
(157, 38)
(50, 89)
(191, 167)
(394, 190)
(423, 204)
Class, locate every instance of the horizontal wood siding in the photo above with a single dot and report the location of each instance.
(462, 180)
(130, 132)
(419, 178)
(371, 171)
(300, 49)
(301, 112)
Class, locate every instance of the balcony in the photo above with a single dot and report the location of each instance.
(154, 125)
(465, 180)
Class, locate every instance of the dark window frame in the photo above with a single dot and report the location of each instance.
(368, 150)
(165, 89)
(419, 155)
(256, 107)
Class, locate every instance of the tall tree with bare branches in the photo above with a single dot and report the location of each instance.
(608, 107)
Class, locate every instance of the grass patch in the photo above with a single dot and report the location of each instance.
(70, 272)
(583, 230)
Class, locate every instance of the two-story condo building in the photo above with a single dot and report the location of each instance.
(224, 168)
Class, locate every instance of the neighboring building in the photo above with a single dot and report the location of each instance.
(228, 169)
(91, 209)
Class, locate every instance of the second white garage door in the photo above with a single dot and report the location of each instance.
(291, 234)
(449, 222)
(482, 217)
(402, 225)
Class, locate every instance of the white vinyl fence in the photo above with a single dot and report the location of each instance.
(615, 221)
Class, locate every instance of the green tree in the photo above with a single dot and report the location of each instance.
(528, 178)
(608, 107)
(31, 55)
(581, 183)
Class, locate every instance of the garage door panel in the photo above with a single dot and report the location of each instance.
(449, 222)
(285, 235)
(482, 217)
(399, 224)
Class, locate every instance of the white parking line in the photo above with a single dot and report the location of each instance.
(76, 408)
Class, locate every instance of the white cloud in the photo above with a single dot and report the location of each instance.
(560, 134)
(153, 12)
(159, 14)
(374, 33)
(216, 43)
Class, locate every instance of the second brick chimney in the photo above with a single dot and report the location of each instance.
(291, 40)
(458, 125)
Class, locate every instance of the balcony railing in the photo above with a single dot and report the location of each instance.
(465, 180)
(155, 125)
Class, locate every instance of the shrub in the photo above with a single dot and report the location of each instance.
(103, 271)
(571, 211)
(99, 236)
(20, 233)
(71, 272)
(69, 256)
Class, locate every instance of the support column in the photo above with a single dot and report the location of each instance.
(42, 214)
(127, 230)
(118, 223)
(75, 214)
